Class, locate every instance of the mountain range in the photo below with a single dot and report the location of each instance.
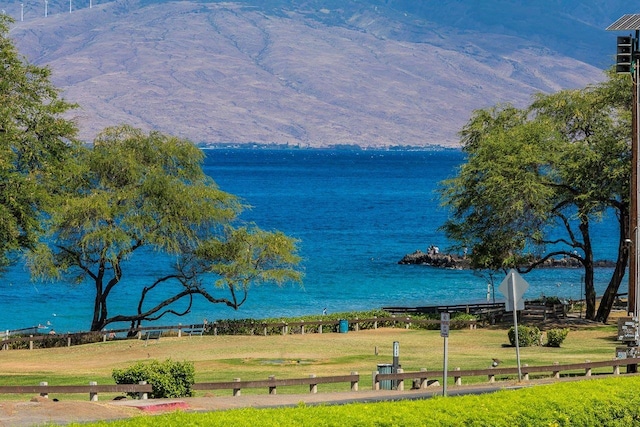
(370, 73)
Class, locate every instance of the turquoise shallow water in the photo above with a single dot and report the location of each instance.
(356, 213)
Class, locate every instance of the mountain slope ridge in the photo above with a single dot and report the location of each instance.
(230, 72)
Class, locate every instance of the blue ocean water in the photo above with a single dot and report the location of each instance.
(356, 213)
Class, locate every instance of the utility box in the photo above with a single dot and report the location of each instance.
(626, 352)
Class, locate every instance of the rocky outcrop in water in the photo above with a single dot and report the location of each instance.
(435, 260)
(458, 262)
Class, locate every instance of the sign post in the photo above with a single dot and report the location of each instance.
(396, 363)
(513, 288)
(444, 332)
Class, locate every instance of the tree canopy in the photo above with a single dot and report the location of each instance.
(536, 178)
(35, 140)
(132, 192)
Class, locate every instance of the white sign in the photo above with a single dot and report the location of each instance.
(444, 324)
(513, 288)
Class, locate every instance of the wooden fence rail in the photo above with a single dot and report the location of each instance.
(92, 389)
(419, 379)
(198, 329)
(143, 388)
(272, 383)
(422, 377)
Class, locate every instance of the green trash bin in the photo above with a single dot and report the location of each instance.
(385, 368)
(344, 326)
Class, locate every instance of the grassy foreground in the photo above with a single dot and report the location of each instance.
(603, 402)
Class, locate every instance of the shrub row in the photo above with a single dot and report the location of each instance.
(253, 326)
(256, 327)
(168, 378)
(531, 335)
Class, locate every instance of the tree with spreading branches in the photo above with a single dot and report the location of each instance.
(535, 180)
(132, 193)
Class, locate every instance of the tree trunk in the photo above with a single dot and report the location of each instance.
(609, 296)
(589, 287)
(97, 306)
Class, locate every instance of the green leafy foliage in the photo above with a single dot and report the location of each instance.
(556, 336)
(527, 336)
(536, 178)
(133, 192)
(168, 378)
(35, 141)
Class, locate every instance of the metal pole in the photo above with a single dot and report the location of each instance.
(396, 362)
(633, 214)
(636, 154)
(445, 368)
(515, 323)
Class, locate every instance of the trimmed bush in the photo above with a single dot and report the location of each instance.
(527, 336)
(556, 336)
(168, 379)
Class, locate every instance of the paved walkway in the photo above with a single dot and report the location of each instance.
(45, 411)
(48, 411)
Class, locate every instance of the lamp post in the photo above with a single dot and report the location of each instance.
(627, 62)
(627, 56)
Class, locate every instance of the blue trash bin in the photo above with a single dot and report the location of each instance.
(344, 326)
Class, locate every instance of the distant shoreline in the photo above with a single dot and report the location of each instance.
(339, 147)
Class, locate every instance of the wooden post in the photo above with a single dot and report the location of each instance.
(407, 323)
(492, 378)
(104, 336)
(587, 371)
(93, 395)
(180, 330)
(264, 329)
(320, 328)
(374, 380)
(356, 327)
(236, 391)
(313, 388)
(215, 328)
(526, 374)
(272, 388)
(616, 369)
(68, 340)
(375, 322)
(400, 382)
(424, 381)
(30, 342)
(354, 384)
(44, 393)
(457, 379)
(143, 395)
(556, 374)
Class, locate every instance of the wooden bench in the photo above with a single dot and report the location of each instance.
(490, 316)
(153, 335)
(195, 330)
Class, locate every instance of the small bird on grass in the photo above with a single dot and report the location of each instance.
(495, 362)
